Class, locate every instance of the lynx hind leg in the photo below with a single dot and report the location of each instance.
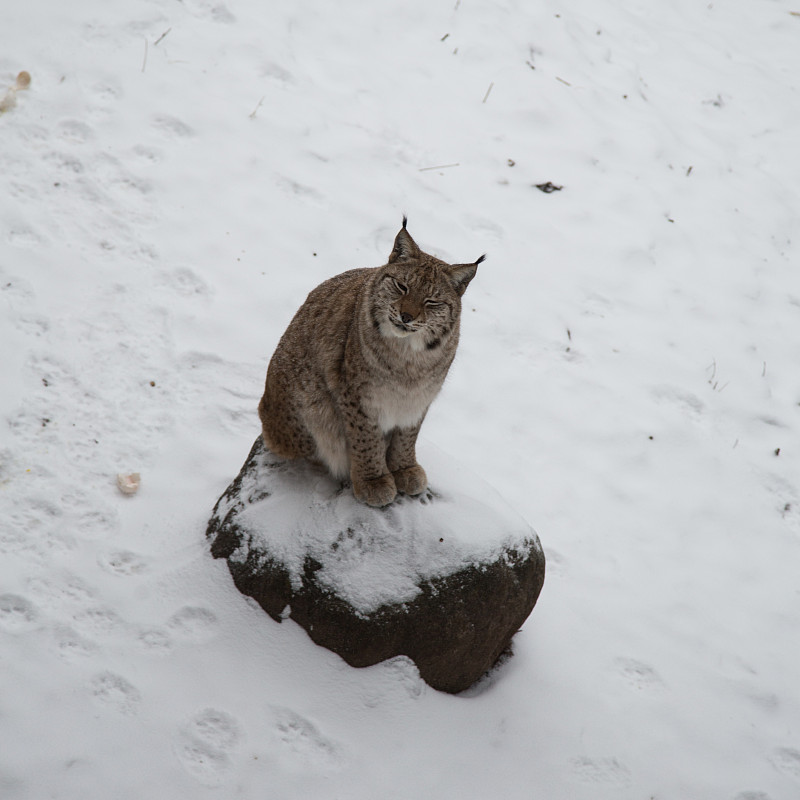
(331, 451)
(283, 433)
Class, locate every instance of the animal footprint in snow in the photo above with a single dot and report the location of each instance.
(22, 235)
(10, 99)
(172, 126)
(19, 292)
(61, 591)
(195, 624)
(639, 675)
(113, 690)
(123, 563)
(100, 622)
(211, 9)
(303, 739)
(71, 646)
(16, 613)
(205, 744)
(75, 131)
(154, 641)
(184, 281)
(96, 524)
(787, 760)
(687, 403)
(215, 728)
(607, 771)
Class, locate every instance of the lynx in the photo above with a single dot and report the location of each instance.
(353, 375)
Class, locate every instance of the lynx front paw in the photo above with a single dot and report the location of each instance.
(376, 492)
(411, 480)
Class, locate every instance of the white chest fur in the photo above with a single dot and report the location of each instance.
(397, 408)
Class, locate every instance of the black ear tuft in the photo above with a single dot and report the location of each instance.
(404, 246)
(481, 260)
(462, 274)
(405, 221)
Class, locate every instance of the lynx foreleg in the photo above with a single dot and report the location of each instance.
(373, 484)
(401, 459)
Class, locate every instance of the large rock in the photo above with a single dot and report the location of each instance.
(446, 579)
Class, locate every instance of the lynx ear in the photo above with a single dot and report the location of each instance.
(462, 274)
(404, 246)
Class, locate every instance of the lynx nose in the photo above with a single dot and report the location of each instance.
(406, 317)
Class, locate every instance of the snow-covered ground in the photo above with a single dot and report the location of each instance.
(176, 179)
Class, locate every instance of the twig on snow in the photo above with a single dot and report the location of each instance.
(712, 382)
(160, 38)
(440, 166)
(255, 110)
(486, 96)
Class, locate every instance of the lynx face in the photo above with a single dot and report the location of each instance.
(416, 304)
(417, 297)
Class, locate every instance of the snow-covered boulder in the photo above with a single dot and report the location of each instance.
(446, 579)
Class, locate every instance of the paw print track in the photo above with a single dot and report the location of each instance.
(123, 563)
(97, 524)
(639, 675)
(606, 771)
(211, 10)
(74, 131)
(205, 746)
(787, 760)
(304, 741)
(17, 614)
(184, 281)
(172, 127)
(154, 641)
(194, 624)
(115, 691)
(215, 728)
(61, 592)
(71, 646)
(100, 623)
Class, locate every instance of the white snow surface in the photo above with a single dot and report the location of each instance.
(372, 557)
(175, 180)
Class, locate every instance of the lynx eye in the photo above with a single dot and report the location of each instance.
(401, 287)
(433, 303)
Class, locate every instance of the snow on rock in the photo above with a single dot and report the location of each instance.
(446, 579)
